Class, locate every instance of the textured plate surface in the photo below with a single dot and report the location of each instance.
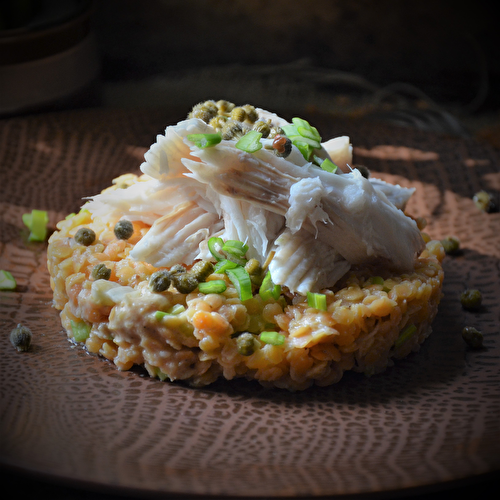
(431, 418)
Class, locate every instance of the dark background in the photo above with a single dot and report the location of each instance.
(428, 64)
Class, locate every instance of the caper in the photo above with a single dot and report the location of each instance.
(276, 130)
(262, 127)
(85, 236)
(124, 229)
(238, 114)
(231, 129)
(100, 272)
(160, 281)
(225, 106)
(471, 299)
(485, 201)
(251, 113)
(177, 269)
(473, 337)
(202, 269)
(185, 282)
(364, 171)
(451, 245)
(245, 344)
(218, 122)
(20, 338)
(254, 269)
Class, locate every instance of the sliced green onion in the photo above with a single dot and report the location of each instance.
(273, 338)
(235, 247)
(36, 222)
(214, 286)
(205, 140)
(7, 281)
(223, 265)
(405, 335)
(268, 289)
(328, 165)
(241, 280)
(173, 311)
(316, 300)
(81, 330)
(250, 142)
(213, 244)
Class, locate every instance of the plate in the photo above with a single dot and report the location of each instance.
(430, 419)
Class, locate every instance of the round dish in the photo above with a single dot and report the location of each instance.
(430, 419)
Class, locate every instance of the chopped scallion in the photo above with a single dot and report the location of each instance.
(173, 311)
(205, 140)
(214, 286)
(316, 300)
(241, 280)
(405, 335)
(36, 222)
(7, 281)
(328, 165)
(215, 245)
(250, 142)
(273, 338)
(268, 289)
(235, 247)
(81, 330)
(223, 265)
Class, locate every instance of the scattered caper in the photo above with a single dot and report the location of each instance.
(100, 272)
(160, 281)
(451, 245)
(85, 236)
(124, 229)
(20, 338)
(471, 299)
(262, 127)
(251, 113)
(473, 337)
(245, 344)
(185, 282)
(238, 114)
(485, 201)
(254, 269)
(202, 269)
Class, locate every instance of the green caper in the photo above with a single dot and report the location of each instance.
(124, 229)
(85, 236)
(254, 269)
(100, 272)
(364, 171)
(473, 337)
(202, 269)
(451, 245)
(20, 337)
(251, 113)
(160, 281)
(185, 282)
(218, 122)
(262, 127)
(231, 129)
(177, 269)
(471, 299)
(245, 344)
(225, 106)
(485, 201)
(238, 114)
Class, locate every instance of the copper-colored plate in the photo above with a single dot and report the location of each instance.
(429, 419)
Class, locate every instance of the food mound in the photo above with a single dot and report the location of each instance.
(247, 248)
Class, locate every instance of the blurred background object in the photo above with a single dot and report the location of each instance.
(427, 64)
